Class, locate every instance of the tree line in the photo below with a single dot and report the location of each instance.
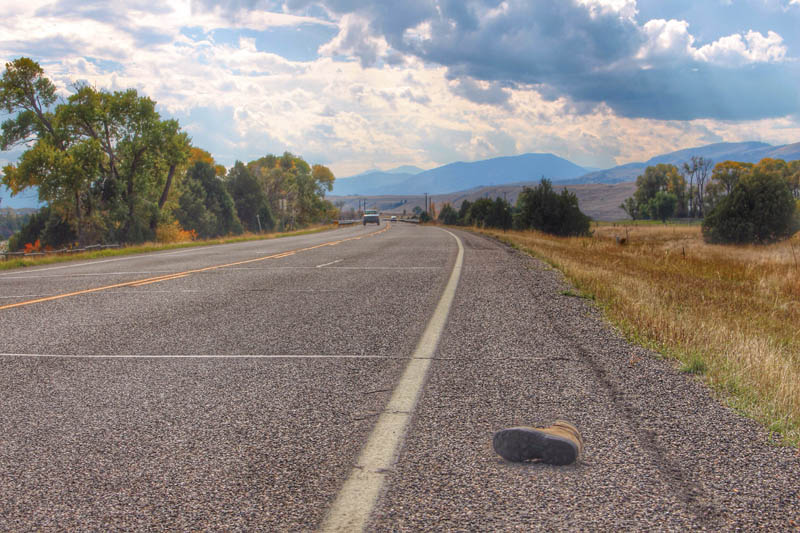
(110, 169)
(539, 208)
(738, 202)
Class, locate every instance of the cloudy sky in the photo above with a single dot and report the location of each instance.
(358, 85)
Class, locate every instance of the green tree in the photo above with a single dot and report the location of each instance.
(295, 190)
(448, 215)
(205, 204)
(759, 209)
(463, 212)
(631, 207)
(104, 161)
(541, 208)
(480, 212)
(142, 154)
(662, 178)
(252, 205)
(59, 163)
(662, 206)
(500, 215)
(723, 179)
(29, 95)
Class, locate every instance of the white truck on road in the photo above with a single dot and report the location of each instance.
(371, 215)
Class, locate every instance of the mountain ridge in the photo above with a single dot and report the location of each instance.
(461, 176)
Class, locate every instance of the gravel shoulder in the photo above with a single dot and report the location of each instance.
(661, 452)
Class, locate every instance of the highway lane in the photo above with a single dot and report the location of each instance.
(254, 443)
(266, 443)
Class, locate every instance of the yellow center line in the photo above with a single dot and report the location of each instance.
(177, 275)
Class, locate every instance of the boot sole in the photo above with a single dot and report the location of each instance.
(524, 444)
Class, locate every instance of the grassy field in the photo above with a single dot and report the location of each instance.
(729, 314)
(149, 247)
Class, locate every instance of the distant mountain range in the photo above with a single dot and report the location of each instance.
(527, 168)
(532, 167)
(460, 176)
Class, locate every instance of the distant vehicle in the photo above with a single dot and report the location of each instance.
(393, 219)
(371, 215)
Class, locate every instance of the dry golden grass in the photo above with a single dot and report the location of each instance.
(730, 313)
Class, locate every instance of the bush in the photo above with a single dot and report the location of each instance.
(759, 209)
(541, 208)
(171, 233)
(448, 215)
(486, 213)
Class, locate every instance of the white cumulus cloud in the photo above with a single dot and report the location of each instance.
(623, 8)
(735, 50)
(670, 40)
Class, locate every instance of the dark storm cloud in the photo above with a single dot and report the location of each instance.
(564, 50)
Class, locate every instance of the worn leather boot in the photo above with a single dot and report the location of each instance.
(558, 444)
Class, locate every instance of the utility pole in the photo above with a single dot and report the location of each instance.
(426, 202)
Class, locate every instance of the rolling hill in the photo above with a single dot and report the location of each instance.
(460, 176)
(532, 167)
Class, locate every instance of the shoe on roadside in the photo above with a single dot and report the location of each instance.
(558, 444)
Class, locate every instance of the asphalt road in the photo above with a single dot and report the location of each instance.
(233, 388)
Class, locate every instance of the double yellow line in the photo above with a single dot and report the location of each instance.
(178, 275)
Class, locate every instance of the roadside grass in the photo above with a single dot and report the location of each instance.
(152, 247)
(729, 314)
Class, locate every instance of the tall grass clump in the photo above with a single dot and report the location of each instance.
(730, 314)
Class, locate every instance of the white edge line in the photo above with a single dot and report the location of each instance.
(329, 264)
(359, 494)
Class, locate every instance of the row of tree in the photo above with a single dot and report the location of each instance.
(697, 187)
(739, 202)
(110, 169)
(539, 208)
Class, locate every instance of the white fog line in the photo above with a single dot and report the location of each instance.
(357, 498)
(329, 264)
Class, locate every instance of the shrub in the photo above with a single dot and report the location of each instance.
(759, 209)
(171, 233)
(541, 208)
(448, 215)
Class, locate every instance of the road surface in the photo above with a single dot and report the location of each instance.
(236, 387)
